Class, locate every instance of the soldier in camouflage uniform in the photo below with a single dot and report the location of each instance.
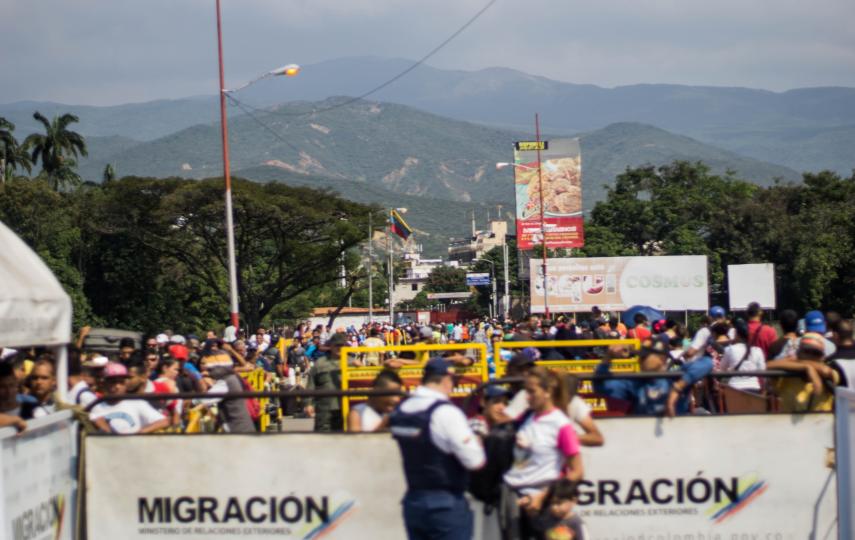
(326, 375)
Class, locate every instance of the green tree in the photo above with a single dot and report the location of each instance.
(12, 155)
(57, 149)
(48, 222)
(109, 173)
(446, 279)
(289, 241)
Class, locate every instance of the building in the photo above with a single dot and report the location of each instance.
(416, 272)
(465, 251)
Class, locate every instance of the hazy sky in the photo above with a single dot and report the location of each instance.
(115, 51)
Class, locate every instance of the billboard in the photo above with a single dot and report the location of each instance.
(748, 283)
(617, 283)
(561, 175)
(477, 278)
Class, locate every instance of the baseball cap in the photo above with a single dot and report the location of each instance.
(812, 342)
(161, 339)
(815, 322)
(337, 339)
(114, 370)
(494, 391)
(438, 366)
(426, 332)
(179, 352)
(179, 339)
(717, 312)
(532, 353)
(520, 360)
(97, 361)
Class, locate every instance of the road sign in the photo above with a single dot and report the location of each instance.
(474, 279)
(448, 295)
(530, 146)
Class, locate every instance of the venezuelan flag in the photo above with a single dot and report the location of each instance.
(399, 226)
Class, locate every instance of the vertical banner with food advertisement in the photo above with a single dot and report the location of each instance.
(617, 283)
(561, 165)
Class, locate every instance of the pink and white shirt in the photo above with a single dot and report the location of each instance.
(543, 444)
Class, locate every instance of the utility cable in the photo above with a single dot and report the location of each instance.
(383, 85)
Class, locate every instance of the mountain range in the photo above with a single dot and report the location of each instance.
(805, 129)
(402, 150)
(430, 141)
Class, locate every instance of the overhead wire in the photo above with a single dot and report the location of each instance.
(381, 86)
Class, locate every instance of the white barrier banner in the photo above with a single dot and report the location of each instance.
(693, 478)
(39, 478)
(758, 477)
(617, 283)
(844, 408)
(234, 486)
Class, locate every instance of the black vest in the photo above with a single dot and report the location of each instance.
(426, 467)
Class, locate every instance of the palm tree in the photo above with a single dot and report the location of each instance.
(12, 155)
(55, 149)
(109, 173)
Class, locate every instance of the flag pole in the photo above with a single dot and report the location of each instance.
(391, 270)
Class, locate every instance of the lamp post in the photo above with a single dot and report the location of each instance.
(290, 70)
(502, 165)
(493, 304)
(371, 264)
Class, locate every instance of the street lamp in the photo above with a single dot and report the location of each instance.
(493, 279)
(501, 165)
(290, 70)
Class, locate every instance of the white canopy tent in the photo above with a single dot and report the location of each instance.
(34, 309)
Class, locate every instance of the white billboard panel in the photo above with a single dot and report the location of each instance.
(617, 283)
(748, 283)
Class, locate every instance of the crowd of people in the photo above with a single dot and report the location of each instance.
(524, 445)
(818, 347)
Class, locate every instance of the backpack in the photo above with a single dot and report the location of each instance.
(485, 484)
(253, 407)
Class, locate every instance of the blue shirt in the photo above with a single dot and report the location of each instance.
(649, 396)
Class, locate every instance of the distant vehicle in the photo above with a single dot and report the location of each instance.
(106, 340)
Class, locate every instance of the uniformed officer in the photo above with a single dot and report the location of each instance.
(326, 375)
(438, 449)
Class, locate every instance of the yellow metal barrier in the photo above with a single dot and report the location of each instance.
(628, 365)
(470, 376)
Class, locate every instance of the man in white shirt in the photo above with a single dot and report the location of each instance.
(126, 416)
(438, 449)
(80, 392)
(698, 347)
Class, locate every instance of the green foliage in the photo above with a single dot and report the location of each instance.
(12, 155)
(806, 230)
(49, 223)
(57, 149)
(446, 279)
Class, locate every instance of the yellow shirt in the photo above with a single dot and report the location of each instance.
(797, 395)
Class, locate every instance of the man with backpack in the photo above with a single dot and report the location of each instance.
(325, 374)
(234, 414)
